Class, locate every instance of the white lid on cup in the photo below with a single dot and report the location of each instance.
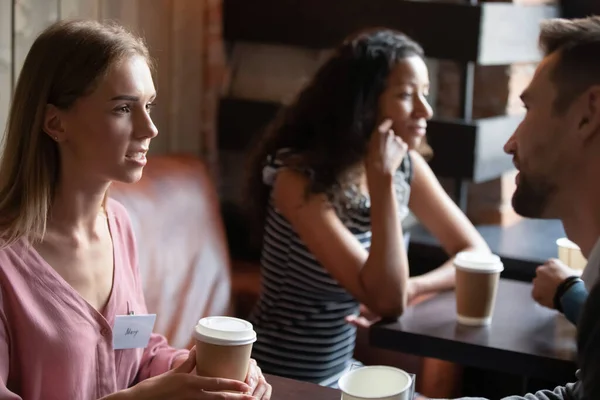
(225, 331)
(478, 261)
(565, 242)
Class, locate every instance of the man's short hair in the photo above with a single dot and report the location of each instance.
(577, 42)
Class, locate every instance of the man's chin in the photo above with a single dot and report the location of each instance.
(532, 205)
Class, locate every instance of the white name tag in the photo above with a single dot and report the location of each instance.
(132, 331)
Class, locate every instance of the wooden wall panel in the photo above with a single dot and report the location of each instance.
(5, 61)
(167, 27)
(175, 33)
(187, 71)
(123, 11)
(31, 17)
(155, 25)
(144, 21)
(84, 9)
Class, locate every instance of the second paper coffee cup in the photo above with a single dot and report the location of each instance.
(477, 276)
(223, 347)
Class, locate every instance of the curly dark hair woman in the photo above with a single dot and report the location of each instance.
(330, 123)
(329, 185)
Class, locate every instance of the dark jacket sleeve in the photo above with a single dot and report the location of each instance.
(588, 345)
(568, 392)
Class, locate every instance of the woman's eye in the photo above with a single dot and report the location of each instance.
(150, 106)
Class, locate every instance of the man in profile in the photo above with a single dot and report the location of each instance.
(556, 149)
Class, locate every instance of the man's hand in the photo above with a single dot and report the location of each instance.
(546, 281)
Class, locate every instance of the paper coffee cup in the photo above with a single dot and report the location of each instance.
(477, 276)
(570, 254)
(376, 382)
(223, 347)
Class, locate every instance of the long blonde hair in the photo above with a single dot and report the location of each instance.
(64, 63)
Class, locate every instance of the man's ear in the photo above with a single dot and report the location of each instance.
(589, 117)
(52, 124)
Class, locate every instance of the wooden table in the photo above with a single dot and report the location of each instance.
(522, 246)
(524, 337)
(288, 389)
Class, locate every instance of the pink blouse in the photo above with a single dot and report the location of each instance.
(53, 344)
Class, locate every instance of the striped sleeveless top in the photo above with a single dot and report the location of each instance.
(300, 316)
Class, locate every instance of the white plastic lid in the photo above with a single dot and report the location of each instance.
(564, 242)
(225, 331)
(478, 261)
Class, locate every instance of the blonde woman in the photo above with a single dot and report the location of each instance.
(80, 119)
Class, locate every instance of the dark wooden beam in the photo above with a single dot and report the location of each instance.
(471, 151)
(579, 8)
(489, 33)
(241, 121)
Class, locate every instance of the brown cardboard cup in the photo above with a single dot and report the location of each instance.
(570, 254)
(477, 276)
(223, 347)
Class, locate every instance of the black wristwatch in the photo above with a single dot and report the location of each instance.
(562, 289)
